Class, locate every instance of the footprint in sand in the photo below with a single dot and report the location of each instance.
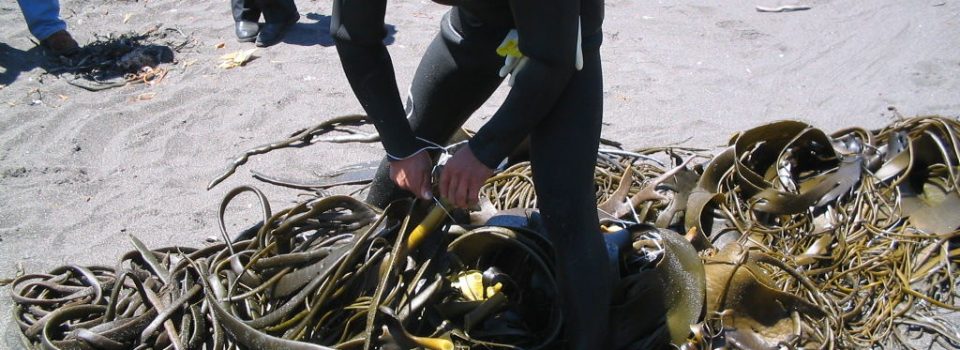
(741, 30)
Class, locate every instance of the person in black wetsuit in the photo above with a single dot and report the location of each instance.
(557, 106)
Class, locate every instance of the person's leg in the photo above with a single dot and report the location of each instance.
(246, 15)
(279, 16)
(43, 19)
(563, 154)
(245, 10)
(457, 74)
(42, 16)
(278, 11)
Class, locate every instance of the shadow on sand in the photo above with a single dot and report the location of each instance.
(318, 32)
(14, 62)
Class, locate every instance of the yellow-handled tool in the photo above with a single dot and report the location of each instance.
(437, 212)
(429, 224)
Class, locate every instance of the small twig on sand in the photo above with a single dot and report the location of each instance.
(785, 8)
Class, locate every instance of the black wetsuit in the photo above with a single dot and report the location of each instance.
(558, 107)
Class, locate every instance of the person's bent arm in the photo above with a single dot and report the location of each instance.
(548, 34)
(548, 37)
(358, 30)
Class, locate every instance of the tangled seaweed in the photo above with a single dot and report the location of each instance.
(793, 238)
(117, 60)
(860, 225)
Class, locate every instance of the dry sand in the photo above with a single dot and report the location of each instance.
(80, 170)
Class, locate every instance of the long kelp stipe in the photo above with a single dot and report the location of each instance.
(790, 237)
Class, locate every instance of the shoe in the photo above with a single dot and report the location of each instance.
(60, 44)
(272, 33)
(247, 31)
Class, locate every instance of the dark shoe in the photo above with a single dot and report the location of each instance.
(247, 31)
(60, 44)
(272, 33)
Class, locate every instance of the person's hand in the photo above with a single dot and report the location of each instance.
(413, 174)
(462, 177)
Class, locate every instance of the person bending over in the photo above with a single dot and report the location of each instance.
(555, 104)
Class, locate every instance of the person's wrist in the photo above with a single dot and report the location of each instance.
(480, 154)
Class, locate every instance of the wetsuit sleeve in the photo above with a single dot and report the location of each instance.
(548, 37)
(358, 29)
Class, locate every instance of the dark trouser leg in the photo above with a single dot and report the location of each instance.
(456, 76)
(563, 154)
(245, 10)
(280, 15)
(278, 11)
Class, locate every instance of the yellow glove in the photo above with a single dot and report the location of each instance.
(514, 60)
(510, 45)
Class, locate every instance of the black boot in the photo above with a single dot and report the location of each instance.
(246, 14)
(247, 31)
(280, 15)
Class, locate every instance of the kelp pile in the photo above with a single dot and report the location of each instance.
(790, 238)
(855, 233)
(118, 59)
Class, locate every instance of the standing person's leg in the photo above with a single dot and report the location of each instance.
(43, 19)
(279, 15)
(275, 11)
(246, 16)
(563, 154)
(457, 74)
(42, 16)
(245, 10)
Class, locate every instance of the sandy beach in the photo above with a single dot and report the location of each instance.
(80, 171)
